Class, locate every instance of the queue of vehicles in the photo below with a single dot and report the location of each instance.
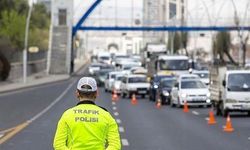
(173, 80)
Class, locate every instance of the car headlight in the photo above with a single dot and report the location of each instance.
(165, 93)
(156, 86)
(231, 101)
(208, 94)
(184, 95)
(208, 101)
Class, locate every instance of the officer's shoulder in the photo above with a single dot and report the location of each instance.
(103, 108)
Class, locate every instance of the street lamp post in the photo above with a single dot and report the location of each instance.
(25, 51)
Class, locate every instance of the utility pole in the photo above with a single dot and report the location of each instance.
(25, 51)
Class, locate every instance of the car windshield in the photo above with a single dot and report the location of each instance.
(137, 80)
(202, 75)
(174, 64)
(104, 58)
(118, 78)
(168, 83)
(127, 67)
(239, 82)
(118, 57)
(113, 76)
(192, 84)
(95, 65)
(158, 78)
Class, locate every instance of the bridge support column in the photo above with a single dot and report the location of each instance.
(60, 53)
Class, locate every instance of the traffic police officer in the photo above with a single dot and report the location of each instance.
(87, 126)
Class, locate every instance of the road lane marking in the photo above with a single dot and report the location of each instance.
(195, 113)
(113, 103)
(248, 138)
(207, 118)
(114, 108)
(116, 113)
(20, 127)
(13, 132)
(118, 121)
(121, 129)
(125, 142)
(1, 135)
(53, 103)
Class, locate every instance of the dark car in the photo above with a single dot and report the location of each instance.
(101, 76)
(154, 85)
(165, 88)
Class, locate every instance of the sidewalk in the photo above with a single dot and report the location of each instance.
(37, 79)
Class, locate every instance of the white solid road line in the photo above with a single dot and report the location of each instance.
(118, 121)
(113, 103)
(116, 113)
(52, 104)
(125, 142)
(195, 113)
(114, 108)
(121, 129)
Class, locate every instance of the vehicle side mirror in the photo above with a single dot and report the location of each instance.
(224, 83)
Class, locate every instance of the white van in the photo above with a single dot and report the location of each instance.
(104, 57)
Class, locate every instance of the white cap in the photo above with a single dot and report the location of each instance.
(87, 81)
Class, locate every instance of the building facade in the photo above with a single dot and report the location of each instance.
(159, 13)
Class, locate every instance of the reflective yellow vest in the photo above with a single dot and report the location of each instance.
(87, 127)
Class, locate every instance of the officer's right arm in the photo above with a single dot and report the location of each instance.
(61, 135)
(114, 142)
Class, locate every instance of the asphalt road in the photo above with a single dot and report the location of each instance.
(142, 127)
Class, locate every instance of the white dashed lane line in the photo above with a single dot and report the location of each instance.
(118, 121)
(121, 129)
(195, 113)
(125, 142)
(114, 108)
(116, 113)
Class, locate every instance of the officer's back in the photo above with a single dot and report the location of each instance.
(87, 126)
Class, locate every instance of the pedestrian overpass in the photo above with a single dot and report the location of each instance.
(63, 30)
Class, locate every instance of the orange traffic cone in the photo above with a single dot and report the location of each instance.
(185, 108)
(158, 104)
(134, 100)
(228, 127)
(211, 119)
(114, 96)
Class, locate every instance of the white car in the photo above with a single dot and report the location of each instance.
(192, 91)
(203, 74)
(188, 76)
(94, 67)
(117, 83)
(109, 81)
(134, 84)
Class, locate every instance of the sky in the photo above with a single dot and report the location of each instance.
(216, 12)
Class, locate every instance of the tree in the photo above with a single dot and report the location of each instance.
(13, 27)
(222, 46)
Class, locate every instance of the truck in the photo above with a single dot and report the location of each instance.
(229, 89)
(151, 53)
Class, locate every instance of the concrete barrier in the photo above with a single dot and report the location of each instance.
(16, 71)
